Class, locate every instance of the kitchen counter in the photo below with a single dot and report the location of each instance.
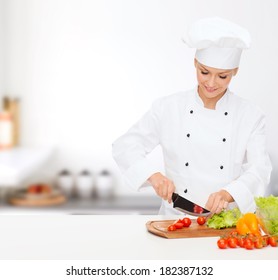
(106, 237)
(120, 205)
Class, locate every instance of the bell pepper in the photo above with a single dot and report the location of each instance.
(247, 224)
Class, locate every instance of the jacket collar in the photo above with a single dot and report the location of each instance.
(220, 105)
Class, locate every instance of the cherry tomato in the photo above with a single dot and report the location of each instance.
(252, 236)
(232, 242)
(241, 241)
(178, 221)
(265, 240)
(186, 222)
(201, 220)
(178, 225)
(248, 241)
(222, 243)
(258, 243)
(172, 228)
(248, 244)
(272, 240)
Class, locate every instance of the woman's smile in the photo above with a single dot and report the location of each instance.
(209, 89)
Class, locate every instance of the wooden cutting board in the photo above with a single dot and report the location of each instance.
(159, 228)
(37, 200)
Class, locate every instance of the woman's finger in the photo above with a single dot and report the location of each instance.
(171, 189)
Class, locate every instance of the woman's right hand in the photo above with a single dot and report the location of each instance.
(162, 186)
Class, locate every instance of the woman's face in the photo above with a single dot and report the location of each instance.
(213, 82)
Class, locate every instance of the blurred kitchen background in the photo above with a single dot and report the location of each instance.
(76, 74)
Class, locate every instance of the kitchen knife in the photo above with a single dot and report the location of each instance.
(182, 204)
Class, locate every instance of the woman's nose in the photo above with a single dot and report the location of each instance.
(211, 81)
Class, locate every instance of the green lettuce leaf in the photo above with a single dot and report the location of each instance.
(225, 219)
(267, 210)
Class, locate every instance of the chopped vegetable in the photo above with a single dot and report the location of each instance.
(225, 219)
(171, 228)
(186, 222)
(178, 225)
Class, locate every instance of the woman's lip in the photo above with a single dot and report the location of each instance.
(210, 89)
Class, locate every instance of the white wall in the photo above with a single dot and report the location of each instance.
(87, 70)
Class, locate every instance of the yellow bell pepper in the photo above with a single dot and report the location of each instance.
(247, 224)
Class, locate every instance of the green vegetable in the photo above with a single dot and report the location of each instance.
(225, 219)
(267, 211)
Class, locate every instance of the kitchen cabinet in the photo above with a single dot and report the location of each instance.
(107, 237)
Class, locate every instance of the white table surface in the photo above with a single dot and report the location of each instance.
(102, 237)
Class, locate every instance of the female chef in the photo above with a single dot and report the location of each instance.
(213, 141)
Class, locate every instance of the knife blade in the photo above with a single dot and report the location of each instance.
(184, 205)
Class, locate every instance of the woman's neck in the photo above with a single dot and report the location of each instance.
(210, 103)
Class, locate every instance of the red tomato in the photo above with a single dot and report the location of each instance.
(272, 240)
(222, 243)
(186, 222)
(258, 243)
(198, 209)
(232, 242)
(178, 221)
(251, 236)
(248, 244)
(172, 228)
(265, 240)
(201, 220)
(241, 241)
(178, 225)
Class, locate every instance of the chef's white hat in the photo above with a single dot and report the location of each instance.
(218, 42)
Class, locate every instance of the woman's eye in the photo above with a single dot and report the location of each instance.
(223, 77)
(204, 73)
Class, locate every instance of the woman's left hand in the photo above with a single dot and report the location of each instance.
(218, 201)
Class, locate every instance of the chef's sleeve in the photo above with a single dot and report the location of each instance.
(256, 170)
(131, 149)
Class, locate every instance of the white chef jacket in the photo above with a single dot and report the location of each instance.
(204, 150)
